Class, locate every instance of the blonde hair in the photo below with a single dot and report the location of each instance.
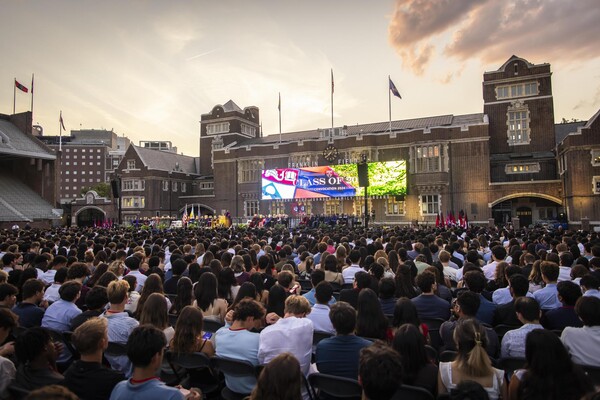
(117, 291)
(379, 254)
(471, 340)
(115, 266)
(297, 305)
(88, 335)
(3, 276)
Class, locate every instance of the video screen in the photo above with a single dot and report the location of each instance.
(333, 181)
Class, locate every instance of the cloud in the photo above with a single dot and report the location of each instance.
(540, 30)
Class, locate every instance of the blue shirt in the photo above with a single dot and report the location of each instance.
(486, 310)
(150, 390)
(59, 315)
(548, 297)
(310, 296)
(339, 355)
(431, 307)
(239, 345)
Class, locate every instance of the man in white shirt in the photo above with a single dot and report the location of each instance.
(589, 286)
(584, 343)
(566, 260)
(349, 272)
(133, 263)
(498, 255)
(529, 313)
(57, 263)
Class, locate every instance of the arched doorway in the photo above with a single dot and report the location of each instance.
(525, 216)
(530, 208)
(90, 216)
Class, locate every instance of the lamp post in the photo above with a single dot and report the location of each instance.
(364, 161)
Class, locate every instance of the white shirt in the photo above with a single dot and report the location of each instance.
(140, 278)
(583, 344)
(490, 270)
(592, 292)
(349, 272)
(289, 334)
(564, 274)
(319, 316)
(48, 276)
(51, 293)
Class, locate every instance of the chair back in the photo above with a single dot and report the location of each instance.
(173, 319)
(233, 367)
(210, 325)
(67, 335)
(448, 356)
(432, 354)
(510, 365)
(407, 392)
(502, 329)
(335, 386)
(434, 331)
(116, 349)
(318, 336)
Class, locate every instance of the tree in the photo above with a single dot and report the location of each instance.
(103, 189)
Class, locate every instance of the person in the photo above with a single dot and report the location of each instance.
(184, 295)
(57, 263)
(387, 301)
(505, 313)
(8, 295)
(8, 321)
(465, 307)
(238, 342)
(559, 318)
(31, 309)
(319, 314)
(79, 272)
(330, 266)
(379, 372)
(51, 293)
(404, 283)
(430, 306)
(292, 333)
(583, 344)
(528, 312)
(316, 277)
(550, 373)
(475, 281)
(502, 295)
(589, 285)
(153, 285)
(206, 293)
(498, 255)
(155, 313)
(87, 377)
(276, 300)
(349, 272)
(417, 369)
(338, 355)
(96, 300)
(370, 320)
(133, 264)
(120, 324)
(189, 336)
(133, 296)
(280, 379)
(548, 296)
(405, 312)
(59, 314)
(178, 267)
(362, 280)
(37, 355)
(145, 349)
(472, 362)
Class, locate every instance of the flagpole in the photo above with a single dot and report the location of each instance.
(60, 132)
(332, 86)
(390, 102)
(32, 98)
(279, 107)
(14, 95)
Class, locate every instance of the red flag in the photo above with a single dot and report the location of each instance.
(437, 220)
(62, 124)
(21, 87)
(442, 222)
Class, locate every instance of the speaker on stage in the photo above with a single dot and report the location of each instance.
(114, 184)
(363, 174)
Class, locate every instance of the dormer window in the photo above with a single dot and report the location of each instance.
(130, 164)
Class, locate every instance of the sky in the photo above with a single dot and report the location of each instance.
(149, 69)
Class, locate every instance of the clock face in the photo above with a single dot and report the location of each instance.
(330, 153)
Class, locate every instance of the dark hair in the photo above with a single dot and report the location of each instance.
(404, 282)
(317, 276)
(205, 290)
(380, 371)
(475, 281)
(330, 263)
(280, 379)
(468, 302)
(144, 342)
(184, 295)
(550, 270)
(31, 287)
(569, 292)
(31, 343)
(370, 320)
(469, 390)
(387, 288)
(78, 270)
(588, 310)
(519, 285)
(354, 256)
(178, 266)
(425, 281)
(343, 317)
(409, 342)
(276, 303)
(363, 279)
(550, 372)
(405, 312)
(528, 308)
(69, 290)
(248, 308)
(323, 292)
(499, 252)
(225, 280)
(8, 319)
(96, 298)
(247, 290)
(132, 262)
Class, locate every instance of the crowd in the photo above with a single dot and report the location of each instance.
(98, 313)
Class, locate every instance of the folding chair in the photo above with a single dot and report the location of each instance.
(190, 367)
(407, 392)
(210, 325)
(233, 368)
(335, 386)
(510, 365)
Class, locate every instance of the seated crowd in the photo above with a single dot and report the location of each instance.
(463, 313)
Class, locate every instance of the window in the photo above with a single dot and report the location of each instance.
(183, 187)
(222, 127)
(174, 186)
(83, 157)
(332, 207)
(130, 164)
(74, 179)
(74, 162)
(207, 185)
(133, 184)
(98, 151)
(278, 207)
(250, 170)
(66, 188)
(74, 150)
(517, 90)
(98, 163)
(165, 185)
(133, 202)
(430, 204)
(518, 124)
(251, 207)
(68, 163)
(83, 151)
(83, 180)
(528, 168)
(75, 156)
(68, 172)
(67, 156)
(248, 130)
(595, 158)
(67, 180)
(82, 172)
(74, 172)
(596, 185)
(393, 206)
(299, 208)
(428, 158)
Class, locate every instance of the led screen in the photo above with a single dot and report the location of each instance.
(385, 178)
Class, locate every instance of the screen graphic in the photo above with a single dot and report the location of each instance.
(385, 178)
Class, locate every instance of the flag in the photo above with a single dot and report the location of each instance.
(62, 123)
(466, 220)
(184, 219)
(192, 216)
(395, 91)
(437, 220)
(332, 84)
(21, 87)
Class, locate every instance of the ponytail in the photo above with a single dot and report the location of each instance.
(472, 358)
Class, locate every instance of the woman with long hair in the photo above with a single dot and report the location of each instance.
(499, 280)
(189, 336)
(276, 302)
(152, 285)
(280, 379)
(332, 274)
(472, 362)
(370, 320)
(340, 255)
(549, 372)
(184, 295)
(394, 263)
(154, 312)
(405, 286)
(262, 294)
(227, 284)
(247, 290)
(117, 267)
(405, 312)
(207, 299)
(100, 269)
(417, 369)
(535, 277)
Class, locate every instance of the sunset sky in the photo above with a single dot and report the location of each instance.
(149, 69)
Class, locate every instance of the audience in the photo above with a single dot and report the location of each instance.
(583, 343)
(430, 306)
(529, 313)
(380, 371)
(280, 379)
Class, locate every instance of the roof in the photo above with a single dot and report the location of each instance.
(15, 142)
(166, 161)
(378, 127)
(561, 131)
(231, 106)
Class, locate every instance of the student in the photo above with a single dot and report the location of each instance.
(380, 372)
